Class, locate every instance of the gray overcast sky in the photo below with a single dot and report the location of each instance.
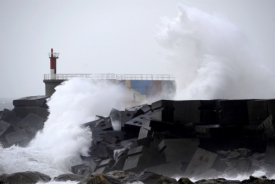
(105, 36)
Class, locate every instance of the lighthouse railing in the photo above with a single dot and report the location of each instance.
(110, 76)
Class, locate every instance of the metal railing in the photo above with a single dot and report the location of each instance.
(110, 76)
(54, 54)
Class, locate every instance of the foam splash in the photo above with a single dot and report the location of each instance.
(59, 145)
(211, 58)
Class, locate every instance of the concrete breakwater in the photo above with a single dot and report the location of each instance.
(194, 138)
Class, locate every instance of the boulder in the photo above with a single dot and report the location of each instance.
(69, 177)
(100, 179)
(27, 177)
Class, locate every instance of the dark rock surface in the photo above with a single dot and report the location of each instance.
(69, 177)
(24, 178)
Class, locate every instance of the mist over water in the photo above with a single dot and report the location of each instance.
(211, 58)
(59, 145)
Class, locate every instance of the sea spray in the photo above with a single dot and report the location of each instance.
(211, 58)
(61, 142)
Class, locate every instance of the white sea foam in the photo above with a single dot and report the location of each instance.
(211, 58)
(59, 145)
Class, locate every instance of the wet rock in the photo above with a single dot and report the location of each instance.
(19, 137)
(218, 181)
(146, 177)
(32, 124)
(69, 177)
(27, 177)
(6, 115)
(117, 174)
(31, 104)
(166, 180)
(185, 181)
(78, 169)
(243, 165)
(258, 180)
(100, 179)
(5, 128)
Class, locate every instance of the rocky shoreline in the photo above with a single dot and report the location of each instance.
(121, 177)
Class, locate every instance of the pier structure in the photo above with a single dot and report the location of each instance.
(140, 86)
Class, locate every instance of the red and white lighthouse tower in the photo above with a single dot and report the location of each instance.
(53, 56)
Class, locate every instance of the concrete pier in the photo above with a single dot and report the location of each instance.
(50, 85)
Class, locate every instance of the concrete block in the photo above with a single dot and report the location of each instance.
(126, 116)
(270, 152)
(92, 165)
(103, 124)
(105, 162)
(163, 115)
(77, 169)
(167, 169)
(201, 162)
(32, 123)
(100, 170)
(31, 101)
(6, 115)
(136, 150)
(132, 127)
(102, 152)
(144, 142)
(138, 159)
(178, 149)
(115, 117)
(144, 133)
(116, 134)
(23, 111)
(132, 162)
(232, 112)
(14, 121)
(84, 171)
(110, 139)
(127, 143)
(19, 137)
(91, 124)
(139, 110)
(257, 111)
(196, 111)
(197, 116)
(5, 128)
(271, 107)
(158, 126)
(120, 161)
(219, 131)
(165, 104)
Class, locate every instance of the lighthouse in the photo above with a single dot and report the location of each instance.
(53, 56)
